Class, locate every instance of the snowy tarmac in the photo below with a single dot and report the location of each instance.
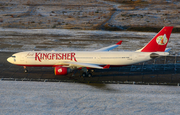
(49, 98)
(16, 40)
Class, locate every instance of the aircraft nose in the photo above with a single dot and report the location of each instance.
(9, 59)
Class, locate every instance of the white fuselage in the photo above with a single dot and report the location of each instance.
(55, 58)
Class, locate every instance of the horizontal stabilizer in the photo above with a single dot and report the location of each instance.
(167, 49)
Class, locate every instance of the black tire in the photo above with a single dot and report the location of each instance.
(84, 74)
(89, 75)
(25, 71)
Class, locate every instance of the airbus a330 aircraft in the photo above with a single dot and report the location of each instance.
(65, 62)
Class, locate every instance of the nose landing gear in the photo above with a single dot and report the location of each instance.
(25, 69)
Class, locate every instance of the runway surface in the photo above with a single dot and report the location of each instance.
(139, 74)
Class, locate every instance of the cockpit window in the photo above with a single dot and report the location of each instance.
(13, 56)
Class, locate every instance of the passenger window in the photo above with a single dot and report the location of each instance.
(13, 56)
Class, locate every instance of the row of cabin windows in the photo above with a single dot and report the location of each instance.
(102, 57)
(114, 57)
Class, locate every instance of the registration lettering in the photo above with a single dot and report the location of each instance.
(55, 56)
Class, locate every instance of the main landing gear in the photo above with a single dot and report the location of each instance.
(87, 72)
(25, 69)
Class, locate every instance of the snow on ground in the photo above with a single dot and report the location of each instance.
(72, 32)
(47, 98)
(16, 40)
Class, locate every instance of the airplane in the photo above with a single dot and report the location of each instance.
(65, 62)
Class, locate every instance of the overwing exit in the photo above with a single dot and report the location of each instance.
(65, 62)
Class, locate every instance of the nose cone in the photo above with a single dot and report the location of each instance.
(10, 60)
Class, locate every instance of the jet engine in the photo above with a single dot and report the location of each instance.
(61, 70)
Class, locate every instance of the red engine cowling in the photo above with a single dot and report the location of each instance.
(61, 70)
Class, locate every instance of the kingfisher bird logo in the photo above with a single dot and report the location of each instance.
(59, 70)
(162, 40)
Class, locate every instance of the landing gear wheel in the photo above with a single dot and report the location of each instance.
(25, 71)
(83, 74)
(86, 75)
(87, 72)
(89, 75)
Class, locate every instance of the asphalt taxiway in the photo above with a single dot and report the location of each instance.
(149, 72)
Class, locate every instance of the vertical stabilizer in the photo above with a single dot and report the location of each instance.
(159, 42)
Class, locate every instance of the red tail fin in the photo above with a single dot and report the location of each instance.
(159, 42)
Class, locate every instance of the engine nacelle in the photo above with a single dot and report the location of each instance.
(61, 70)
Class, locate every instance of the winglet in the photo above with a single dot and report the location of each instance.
(106, 67)
(119, 43)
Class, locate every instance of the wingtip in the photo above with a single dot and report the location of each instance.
(119, 43)
(106, 67)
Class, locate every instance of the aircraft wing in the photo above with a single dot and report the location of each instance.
(78, 65)
(109, 47)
